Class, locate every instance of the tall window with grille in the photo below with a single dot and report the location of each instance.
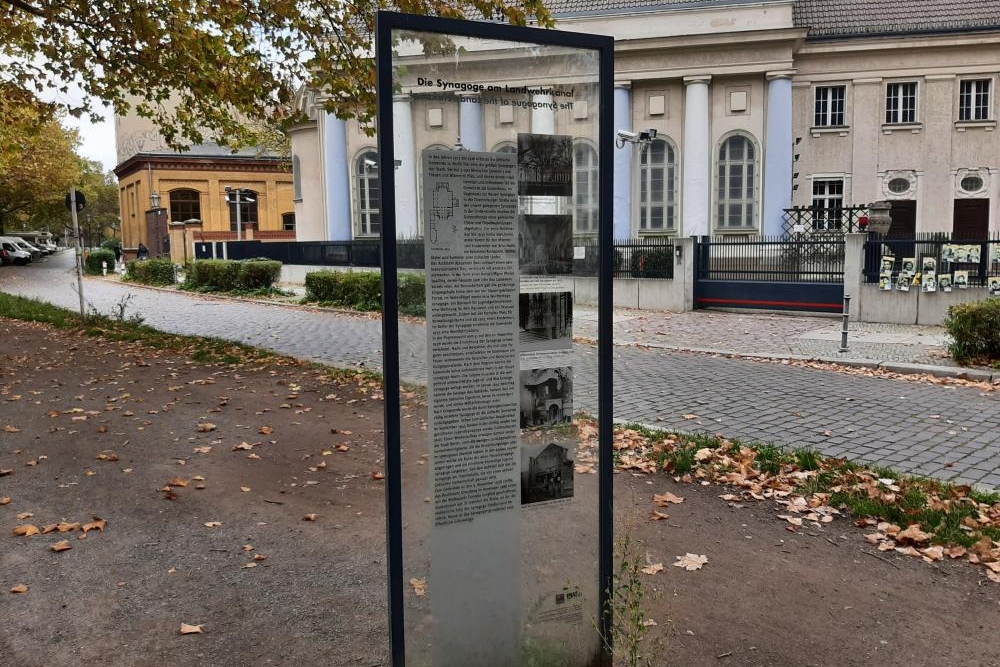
(248, 209)
(829, 109)
(584, 188)
(185, 205)
(828, 204)
(974, 99)
(736, 187)
(369, 217)
(657, 187)
(901, 102)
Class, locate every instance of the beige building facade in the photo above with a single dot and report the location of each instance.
(758, 107)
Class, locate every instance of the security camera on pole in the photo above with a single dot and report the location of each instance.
(75, 201)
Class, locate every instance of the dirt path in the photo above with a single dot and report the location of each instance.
(766, 596)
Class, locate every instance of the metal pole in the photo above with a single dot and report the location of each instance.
(843, 326)
(239, 217)
(79, 250)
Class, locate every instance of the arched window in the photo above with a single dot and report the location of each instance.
(585, 188)
(185, 205)
(657, 187)
(248, 201)
(369, 218)
(737, 183)
(505, 147)
(288, 222)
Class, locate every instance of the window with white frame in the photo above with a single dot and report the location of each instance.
(901, 102)
(829, 109)
(736, 187)
(828, 203)
(974, 99)
(585, 188)
(657, 187)
(369, 217)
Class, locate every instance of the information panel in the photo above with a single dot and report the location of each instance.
(499, 498)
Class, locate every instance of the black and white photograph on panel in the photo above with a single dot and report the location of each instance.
(546, 473)
(545, 244)
(546, 396)
(545, 321)
(544, 165)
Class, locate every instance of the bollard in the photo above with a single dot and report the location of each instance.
(104, 271)
(843, 327)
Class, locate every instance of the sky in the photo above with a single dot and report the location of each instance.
(97, 140)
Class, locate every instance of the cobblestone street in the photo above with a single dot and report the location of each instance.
(950, 432)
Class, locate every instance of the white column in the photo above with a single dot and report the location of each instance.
(994, 175)
(406, 173)
(696, 194)
(470, 122)
(777, 153)
(337, 178)
(622, 201)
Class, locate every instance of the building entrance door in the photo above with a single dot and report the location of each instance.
(971, 220)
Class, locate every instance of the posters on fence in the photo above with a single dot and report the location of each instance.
(885, 281)
(944, 282)
(962, 279)
(993, 282)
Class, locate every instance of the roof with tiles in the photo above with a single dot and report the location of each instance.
(568, 8)
(845, 18)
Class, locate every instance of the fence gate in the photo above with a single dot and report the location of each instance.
(803, 274)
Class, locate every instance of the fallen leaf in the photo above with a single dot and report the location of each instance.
(251, 455)
(24, 515)
(61, 546)
(690, 561)
(342, 448)
(178, 481)
(378, 476)
(20, 588)
(419, 586)
(11, 429)
(247, 566)
(205, 427)
(665, 499)
(6, 471)
(310, 517)
(653, 568)
(243, 445)
(27, 530)
(65, 527)
(655, 515)
(649, 623)
(244, 489)
(266, 430)
(203, 450)
(107, 455)
(5, 500)
(690, 416)
(213, 524)
(51, 528)
(97, 524)
(259, 557)
(913, 534)
(191, 629)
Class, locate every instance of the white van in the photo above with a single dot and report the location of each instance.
(14, 251)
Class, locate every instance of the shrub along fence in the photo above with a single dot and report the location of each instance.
(226, 275)
(152, 271)
(363, 290)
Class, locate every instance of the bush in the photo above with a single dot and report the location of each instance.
(152, 272)
(111, 244)
(652, 263)
(95, 261)
(226, 275)
(363, 290)
(974, 329)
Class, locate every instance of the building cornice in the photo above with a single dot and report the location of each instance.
(141, 161)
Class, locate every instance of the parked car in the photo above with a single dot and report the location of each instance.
(27, 247)
(37, 245)
(5, 256)
(17, 256)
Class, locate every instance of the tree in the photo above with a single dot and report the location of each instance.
(200, 67)
(38, 163)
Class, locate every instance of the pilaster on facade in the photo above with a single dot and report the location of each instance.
(470, 122)
(697, 157)
(778, 151)
(404, 155)
(623, 163)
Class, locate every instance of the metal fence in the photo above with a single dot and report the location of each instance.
(979, 257)
(651, 257)
(812, 220)
(771, 259)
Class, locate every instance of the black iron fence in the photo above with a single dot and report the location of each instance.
(810, 221)
(979, 258)
(651, 257)
(771, 259)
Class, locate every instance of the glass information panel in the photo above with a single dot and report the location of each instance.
(495, 153)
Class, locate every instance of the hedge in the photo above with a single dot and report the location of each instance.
(227, 275)
(975, 331)
(363, 290)
(95, 261)
(655, 263)
(152, 271)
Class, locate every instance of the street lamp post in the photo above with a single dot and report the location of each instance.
(238, 196)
